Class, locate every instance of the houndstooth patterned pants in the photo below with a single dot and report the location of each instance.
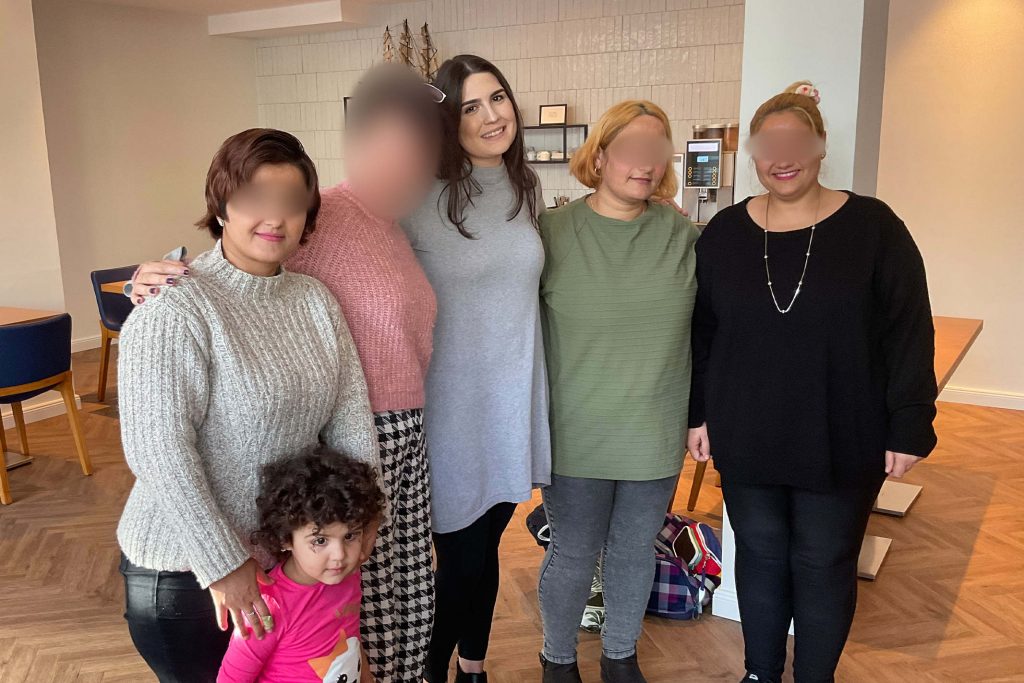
(398, 580)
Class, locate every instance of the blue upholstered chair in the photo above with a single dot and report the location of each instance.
(37, 358)
(114, 310)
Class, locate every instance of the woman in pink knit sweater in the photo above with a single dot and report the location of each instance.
(363, 256)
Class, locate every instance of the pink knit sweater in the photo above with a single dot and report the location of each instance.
(370, 268)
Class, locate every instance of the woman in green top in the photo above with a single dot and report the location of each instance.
(617, 293)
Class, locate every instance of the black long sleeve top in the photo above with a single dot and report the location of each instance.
(813, 398)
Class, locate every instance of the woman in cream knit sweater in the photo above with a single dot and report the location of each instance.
(241, 364)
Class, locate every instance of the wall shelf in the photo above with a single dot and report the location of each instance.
(557, 138)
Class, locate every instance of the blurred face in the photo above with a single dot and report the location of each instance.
(265, 219)
(787, 155)
(634, 163)
(487, 125)
(326, 555)
(390, 166)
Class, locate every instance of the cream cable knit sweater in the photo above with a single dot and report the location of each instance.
(217, 376)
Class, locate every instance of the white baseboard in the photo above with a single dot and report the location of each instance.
(725, 604)
(86, 343)
(977, 397)
(39, 408)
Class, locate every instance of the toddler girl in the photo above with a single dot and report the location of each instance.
(313, 509)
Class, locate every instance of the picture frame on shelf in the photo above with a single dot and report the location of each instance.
(553, 114)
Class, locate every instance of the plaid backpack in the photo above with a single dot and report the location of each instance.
(689, 568)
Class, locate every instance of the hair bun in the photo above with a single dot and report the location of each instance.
(805, 88)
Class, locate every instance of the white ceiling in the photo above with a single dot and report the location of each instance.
(207, 7)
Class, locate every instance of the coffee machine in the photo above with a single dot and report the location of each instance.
(707, 171)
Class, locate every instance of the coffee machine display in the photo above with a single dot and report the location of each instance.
(703, 164)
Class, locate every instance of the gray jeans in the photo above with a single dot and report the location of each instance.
(586, 516)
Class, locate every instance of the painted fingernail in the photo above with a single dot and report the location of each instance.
(268, 622)
(170, 280)
(153, 290)
(186, 271)
(140, 300)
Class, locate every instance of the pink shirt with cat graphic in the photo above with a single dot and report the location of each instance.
(315, 637)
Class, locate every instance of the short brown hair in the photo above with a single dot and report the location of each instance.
(790, 99)
(611, 123)
(236, 162)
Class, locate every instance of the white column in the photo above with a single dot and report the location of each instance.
(839, 45)
(31, 276)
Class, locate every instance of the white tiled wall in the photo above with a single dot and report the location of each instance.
(685, 55)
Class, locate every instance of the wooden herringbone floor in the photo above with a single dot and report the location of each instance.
(948, 605)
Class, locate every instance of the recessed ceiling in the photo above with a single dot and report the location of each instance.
(206, 7)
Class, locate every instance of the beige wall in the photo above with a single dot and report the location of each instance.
(136, 102)
(31, 276)
(950, 165)
(682, 54)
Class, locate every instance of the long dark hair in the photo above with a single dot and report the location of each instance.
(456, 168)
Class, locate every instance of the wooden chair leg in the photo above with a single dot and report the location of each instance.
(67, 390)
(19, 422)
(698, 479)
(101, 390)
(5, 488)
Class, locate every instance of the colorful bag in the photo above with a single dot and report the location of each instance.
(688, 569)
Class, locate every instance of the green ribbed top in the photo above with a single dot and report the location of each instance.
(617, 297)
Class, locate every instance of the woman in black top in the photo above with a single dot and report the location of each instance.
(812, 379)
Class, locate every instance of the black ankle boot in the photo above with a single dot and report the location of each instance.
(621, 670)
(560, 673)
(463, 677)
(754, 678)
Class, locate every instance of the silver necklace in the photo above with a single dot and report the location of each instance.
(807, 256)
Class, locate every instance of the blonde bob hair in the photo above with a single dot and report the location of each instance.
(583, 164)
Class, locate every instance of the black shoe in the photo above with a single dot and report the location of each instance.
(754, 678)
(463, 677)
(560, 673)
(621, 670)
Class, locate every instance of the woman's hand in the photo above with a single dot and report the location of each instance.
(153, 276)
(238, 593)
(898, 464)
(670, 201)
(697, 443)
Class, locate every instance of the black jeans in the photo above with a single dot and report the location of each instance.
(173, 624)
(796, 558)
(465, 588)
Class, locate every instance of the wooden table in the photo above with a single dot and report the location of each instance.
(14, 316)
(953, 338)
(114, 287)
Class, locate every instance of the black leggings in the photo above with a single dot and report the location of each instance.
(796, 558)
(173, 624)
(466, 588)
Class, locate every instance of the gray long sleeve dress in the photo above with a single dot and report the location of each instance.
(486, 414)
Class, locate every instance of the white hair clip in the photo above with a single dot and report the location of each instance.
(809, 91)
